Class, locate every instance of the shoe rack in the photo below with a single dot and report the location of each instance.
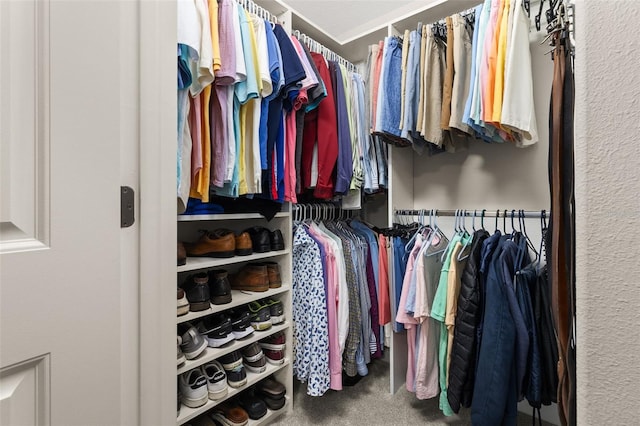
(189, 230)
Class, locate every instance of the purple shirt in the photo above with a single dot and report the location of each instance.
(345, 160)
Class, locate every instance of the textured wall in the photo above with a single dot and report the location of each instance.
(608, 211)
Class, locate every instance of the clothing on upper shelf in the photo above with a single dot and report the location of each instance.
(259, 114)
(466, 77)
(338, 281)
(477, 314)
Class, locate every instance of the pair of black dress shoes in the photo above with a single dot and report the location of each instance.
(264, 240)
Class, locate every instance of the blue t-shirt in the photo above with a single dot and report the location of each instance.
(275, 72)
(293, 73)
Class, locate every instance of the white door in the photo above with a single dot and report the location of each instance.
(63, 117)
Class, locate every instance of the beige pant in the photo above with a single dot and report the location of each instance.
(432, 90)
(462, 76)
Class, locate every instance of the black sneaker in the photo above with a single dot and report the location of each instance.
(217, 330)
(241, 324)
(231, 360)
(254, 406)
(254, 359)
(260, 315)
(236, 377)
(276, 310)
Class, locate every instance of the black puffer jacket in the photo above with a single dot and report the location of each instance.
(463, 351)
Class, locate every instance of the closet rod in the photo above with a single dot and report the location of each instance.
(255, 9)
(322, 211)
(532, 214)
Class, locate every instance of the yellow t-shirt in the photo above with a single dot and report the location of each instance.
(498, 90)
(215, 38)
(200, 186)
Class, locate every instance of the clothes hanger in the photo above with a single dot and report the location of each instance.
(526, 235)
(466, 234)
(435, 232)
(412, 239)
(482, 219)
(504, 221)
(457, 233)
(473, 223)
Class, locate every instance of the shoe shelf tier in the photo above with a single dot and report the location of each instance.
(195, 263)
(238, 298)
(271, 414)
(187, 413)
(210, 354)
(228, 216)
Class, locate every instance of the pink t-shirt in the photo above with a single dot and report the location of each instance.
(384, 306)
(331, 283)
(407, 319)
(426, 378)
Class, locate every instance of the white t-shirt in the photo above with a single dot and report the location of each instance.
(203, 75)
(189, 31)
(518, 109)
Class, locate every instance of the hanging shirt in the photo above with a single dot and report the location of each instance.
(438, 312)
(311, 363)
(407, 319)
(216, 100)
(342, 287)
(184, 144)
(454, 281)
(500, 62)
(215, 36)
(345, 160)
(195, 127)
(518, 109)
(253, 172)
(428, 270)
(492, 39)
(275, 71)
(331, 291)
(204, 69)
(185, 56)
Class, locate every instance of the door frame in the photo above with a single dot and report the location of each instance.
(157, 211)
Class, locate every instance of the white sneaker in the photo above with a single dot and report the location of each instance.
(216, 380)
(193, 386)
(183, 303)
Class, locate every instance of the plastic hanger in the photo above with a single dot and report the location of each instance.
(466, 234)
(457, 232)
(523, 226)
(407, 247)
(435, 232)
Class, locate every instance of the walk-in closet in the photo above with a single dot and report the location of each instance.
(366, 212)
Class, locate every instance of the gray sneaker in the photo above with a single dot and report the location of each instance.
(193, 344)
(181, 358)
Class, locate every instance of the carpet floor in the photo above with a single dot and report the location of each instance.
(370, 403)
